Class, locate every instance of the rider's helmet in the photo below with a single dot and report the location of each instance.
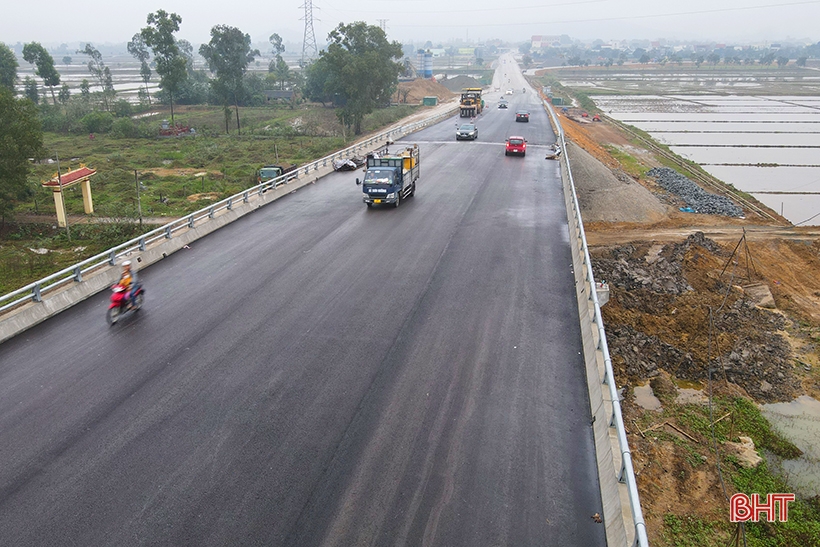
(126, 265)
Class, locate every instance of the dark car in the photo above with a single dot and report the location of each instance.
(522, 116)
(516, 145)
(467, 131)
(502, 104)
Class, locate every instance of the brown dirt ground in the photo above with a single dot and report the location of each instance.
(421, 88)
(785, 259)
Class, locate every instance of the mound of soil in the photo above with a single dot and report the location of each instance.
(671, 308)
(610, 196)
(420, 88)
(457, 83)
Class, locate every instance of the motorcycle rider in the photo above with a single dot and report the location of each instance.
(128, 280)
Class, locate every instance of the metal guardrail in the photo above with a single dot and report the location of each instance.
(627, 473)
(34, 292)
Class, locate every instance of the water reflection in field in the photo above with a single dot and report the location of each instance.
(799, 421)
(763, 145)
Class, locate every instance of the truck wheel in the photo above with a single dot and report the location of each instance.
(413, 189)
(398, 199)
(369, 205)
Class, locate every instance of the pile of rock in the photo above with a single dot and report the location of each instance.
(693, 195)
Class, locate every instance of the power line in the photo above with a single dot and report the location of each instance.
(618, 18)
(309, 48)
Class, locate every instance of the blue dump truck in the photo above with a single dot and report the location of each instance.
(390, 178)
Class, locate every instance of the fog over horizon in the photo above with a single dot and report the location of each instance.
(731, 21)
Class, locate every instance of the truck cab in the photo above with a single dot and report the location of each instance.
(270, 172)
(390, 178)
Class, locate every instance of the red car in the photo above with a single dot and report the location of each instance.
(516, 145)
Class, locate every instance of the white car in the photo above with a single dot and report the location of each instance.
(509, 92)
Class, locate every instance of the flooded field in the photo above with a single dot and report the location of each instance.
(799, 421)
(759, 80)
(125, 73)
(768, 145)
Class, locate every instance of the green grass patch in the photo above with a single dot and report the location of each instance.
(226, 164)
(803, 526)
(690, 531)
(745, 420)
(630, 164)
(22, 256)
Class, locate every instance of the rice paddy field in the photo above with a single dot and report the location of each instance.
(754, 127)
(766, 145)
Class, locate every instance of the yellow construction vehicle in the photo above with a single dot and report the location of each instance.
(471, 102)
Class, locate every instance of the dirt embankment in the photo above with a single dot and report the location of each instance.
(743, 308)
(413, 92)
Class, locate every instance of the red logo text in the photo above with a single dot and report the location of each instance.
(743, 508)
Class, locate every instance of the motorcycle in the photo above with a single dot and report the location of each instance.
(122, 302)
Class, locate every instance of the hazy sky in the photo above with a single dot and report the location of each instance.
(101, 21)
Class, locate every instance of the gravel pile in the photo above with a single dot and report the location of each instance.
(694, 196)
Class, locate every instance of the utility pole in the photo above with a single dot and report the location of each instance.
(139, 200)
(62, 196)
(383, 24)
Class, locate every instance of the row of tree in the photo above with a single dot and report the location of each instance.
(357, 72)
(577, 55)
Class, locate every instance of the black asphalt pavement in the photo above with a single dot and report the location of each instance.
(318, 373)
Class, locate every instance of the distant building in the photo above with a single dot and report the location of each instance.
(278, 94)
(543, 41)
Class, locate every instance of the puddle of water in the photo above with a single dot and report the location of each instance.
(689, 396)
(645, 397)
(799, 421)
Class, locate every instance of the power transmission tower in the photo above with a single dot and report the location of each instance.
(309, 49)
(383, 24)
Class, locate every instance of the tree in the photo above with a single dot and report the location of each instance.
(527, 60)
(713, 58)
(228, 55)
(8, 68)
(276, 44)
(85, 89)
(801, 61)
(21, 138)
(37, 55)
(280, 70)
(138, 49)
(317, 83)
(171, 64)
(65, 94)
(767, 58)
(66, 60)
(31, 91)
(101, 73)
(782, 61)
(644, 59)
(187, 51)
(359, 66)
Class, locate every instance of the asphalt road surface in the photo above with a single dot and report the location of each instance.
(318, 373)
